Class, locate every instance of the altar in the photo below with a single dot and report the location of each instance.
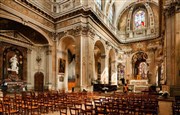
(139, 85)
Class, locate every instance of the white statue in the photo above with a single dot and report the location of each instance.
(14, 64)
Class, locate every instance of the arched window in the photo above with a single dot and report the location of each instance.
(99, 4)
(111, 11)
(139, 19)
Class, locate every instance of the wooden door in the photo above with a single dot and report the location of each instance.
(39, 81)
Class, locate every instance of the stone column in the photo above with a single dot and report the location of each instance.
(177, 49)
(78, 71)
(29, 69)
(153, 65)
(84, 58)
(170, 53)
(128, 68)
(49, 78)
(104, 63)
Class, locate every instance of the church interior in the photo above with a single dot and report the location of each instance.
(83, 49)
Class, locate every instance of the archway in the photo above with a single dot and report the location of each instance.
(68, 47)
(24, 46)
(140, 66)
(99, 57)
(120, 73)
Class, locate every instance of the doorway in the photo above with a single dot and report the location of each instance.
(39, 81)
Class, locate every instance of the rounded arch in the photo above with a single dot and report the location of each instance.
(67, 43)
(127, 5)
(28, 24)
(139, 65)
(99, 63)
(67, 46)
(139, 20)
(112, 54)
(99, 44)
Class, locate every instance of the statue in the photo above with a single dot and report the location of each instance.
(14, 64)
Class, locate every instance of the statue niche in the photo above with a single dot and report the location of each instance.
(14, 69)
(13, 64)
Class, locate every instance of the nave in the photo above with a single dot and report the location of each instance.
(87, 103)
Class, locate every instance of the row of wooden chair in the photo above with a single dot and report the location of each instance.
(79, 104)
(176, 106)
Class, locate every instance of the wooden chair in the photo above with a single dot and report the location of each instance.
(10, 110)
(176, 108)
(100, 110)
(1, 107)
(33, 107)
(63, 110)
(75, 111)
(89, 110)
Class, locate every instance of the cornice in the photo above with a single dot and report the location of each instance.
(35, 9)
(78, 30)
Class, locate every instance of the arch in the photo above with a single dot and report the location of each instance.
(67, 45)
(120, 73)
(66, 41)
(99, 63)
(139, 65)
(127, 5)
(29, 24)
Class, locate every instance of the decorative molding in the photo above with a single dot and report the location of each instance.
(54, 36)
(78, 30)
(171, 7)
(16, 37)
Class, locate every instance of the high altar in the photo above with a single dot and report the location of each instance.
(139, 85)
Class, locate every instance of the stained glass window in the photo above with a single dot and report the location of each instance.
(139, 19)
(98, 2)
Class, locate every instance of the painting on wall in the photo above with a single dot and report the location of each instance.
(62, 64)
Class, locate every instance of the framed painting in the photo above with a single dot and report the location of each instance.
(62, 64)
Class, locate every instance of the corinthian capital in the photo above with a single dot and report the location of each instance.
(82, 30)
